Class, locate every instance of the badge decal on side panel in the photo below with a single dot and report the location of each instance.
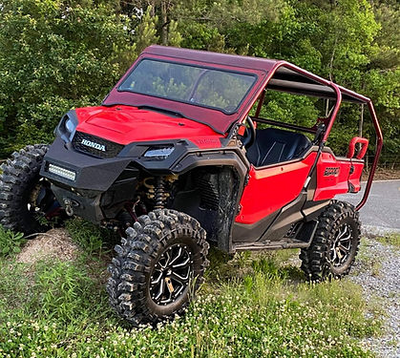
(332, 171)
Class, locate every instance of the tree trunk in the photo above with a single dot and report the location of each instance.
(361, 123)
(326, 108)
(164, 23)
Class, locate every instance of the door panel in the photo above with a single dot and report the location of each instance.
(270, 188)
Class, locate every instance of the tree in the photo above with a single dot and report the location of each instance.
(55, 55)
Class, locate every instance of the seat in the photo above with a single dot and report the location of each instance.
(274, 145)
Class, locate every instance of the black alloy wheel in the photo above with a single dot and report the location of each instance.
(335, 244)
(158, 267)
(340, 249)
(171, 274)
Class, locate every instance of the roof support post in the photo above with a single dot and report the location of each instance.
(379, 144)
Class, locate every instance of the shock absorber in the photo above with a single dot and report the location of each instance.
(160, 193)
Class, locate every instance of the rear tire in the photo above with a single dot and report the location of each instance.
(157, 266)
(18, 183)
(335, 244)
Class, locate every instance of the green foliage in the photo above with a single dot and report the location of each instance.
(285, 107)
(146, 31)
(57, 291)
(55, 56)
(60, 310)
(10, 242)
(174, 37)
(64, 291)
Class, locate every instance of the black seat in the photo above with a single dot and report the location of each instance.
(274, 145)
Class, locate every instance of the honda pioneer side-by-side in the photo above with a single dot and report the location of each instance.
(177, 157)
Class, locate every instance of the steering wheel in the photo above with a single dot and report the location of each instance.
(249, 136)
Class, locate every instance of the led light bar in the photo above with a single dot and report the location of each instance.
(62, 172)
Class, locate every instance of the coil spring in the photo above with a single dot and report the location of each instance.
(160, 194)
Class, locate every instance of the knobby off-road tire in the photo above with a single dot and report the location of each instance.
(335, 244)
(18, 182)
(158, 267)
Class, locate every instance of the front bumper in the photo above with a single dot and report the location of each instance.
(90, 173)
(90, 186)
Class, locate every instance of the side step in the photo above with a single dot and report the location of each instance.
(270, 245)
(305, 235)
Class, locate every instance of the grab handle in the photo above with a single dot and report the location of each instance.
(352, 147)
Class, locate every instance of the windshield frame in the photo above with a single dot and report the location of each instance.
(218, 121)
(195, 84)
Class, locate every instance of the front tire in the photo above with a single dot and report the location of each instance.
(335, 244)
(157, 267)
(19, 189)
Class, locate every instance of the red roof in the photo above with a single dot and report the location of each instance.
(286, 77)
(245, 62)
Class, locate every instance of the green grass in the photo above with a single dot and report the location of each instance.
(10, 242)
(91, 238)
(370, 262)
(251, 306)
(391, 239)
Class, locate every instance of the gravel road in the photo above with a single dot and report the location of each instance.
(378, 268)
(377, 271)
(381, 213)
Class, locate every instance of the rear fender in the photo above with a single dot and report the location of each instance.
(337, 175)
(357, 166)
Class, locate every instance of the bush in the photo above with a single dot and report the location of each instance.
(90, 237)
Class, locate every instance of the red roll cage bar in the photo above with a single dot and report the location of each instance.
(338, 93)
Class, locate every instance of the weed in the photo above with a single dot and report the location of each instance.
(219, 264)
(369, 262)
(49, 223)
(10, 242)
(247, 308)
(15, 288)
(88, 236)
(64, 290)
(390, 239)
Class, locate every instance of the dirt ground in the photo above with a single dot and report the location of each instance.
(383, 174)
(55, 244)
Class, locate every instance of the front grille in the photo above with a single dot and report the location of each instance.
(95, 146)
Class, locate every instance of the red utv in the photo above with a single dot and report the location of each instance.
(177, 157)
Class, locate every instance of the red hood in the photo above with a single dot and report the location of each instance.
(125, 124)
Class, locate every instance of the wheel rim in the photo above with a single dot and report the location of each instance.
(171, 275)
(341, 246)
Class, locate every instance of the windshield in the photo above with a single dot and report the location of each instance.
(205, 87)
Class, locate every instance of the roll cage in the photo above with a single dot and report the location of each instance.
(271, 74)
